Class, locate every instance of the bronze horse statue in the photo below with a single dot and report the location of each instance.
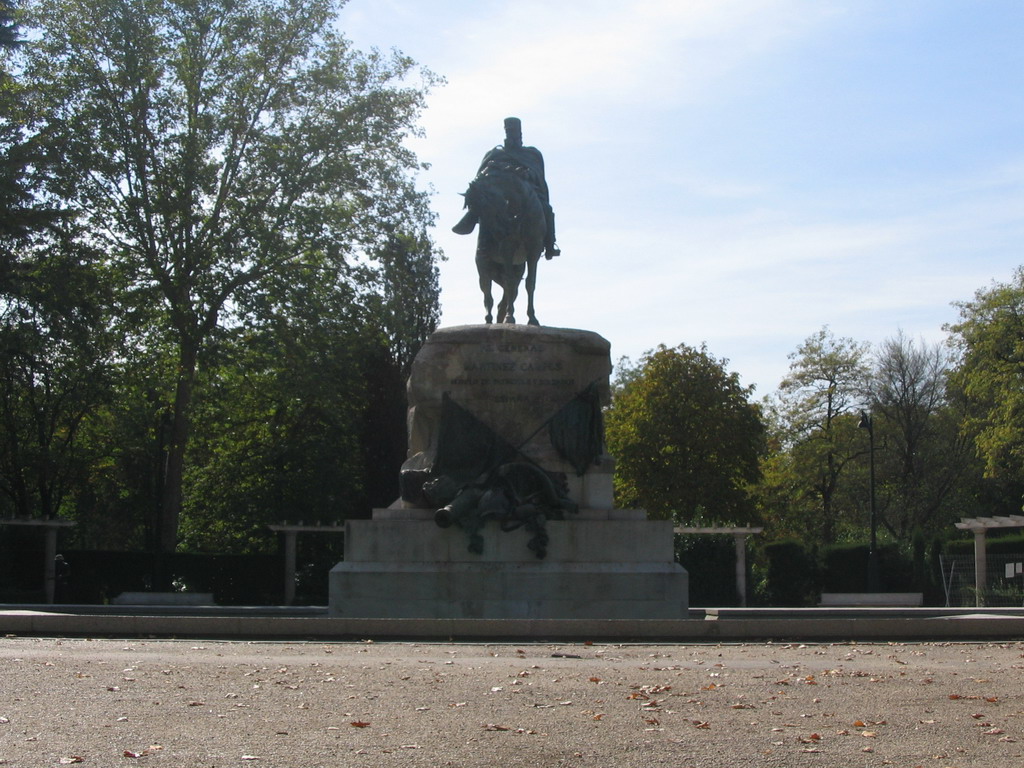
(511, 238)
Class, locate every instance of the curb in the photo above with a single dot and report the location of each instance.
(715, 626)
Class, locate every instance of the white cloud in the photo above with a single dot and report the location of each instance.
(752, 255)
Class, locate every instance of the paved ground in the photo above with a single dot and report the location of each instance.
(207, 703)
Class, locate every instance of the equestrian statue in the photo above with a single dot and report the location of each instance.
(509, 200)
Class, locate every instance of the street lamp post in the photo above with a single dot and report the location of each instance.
(866, 422)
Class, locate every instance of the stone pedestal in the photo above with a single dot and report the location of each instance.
(600, 563)
(514, 378)
(615, 565)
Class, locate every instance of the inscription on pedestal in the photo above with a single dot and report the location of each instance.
(512, 378)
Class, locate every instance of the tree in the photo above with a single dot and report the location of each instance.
(686, 437)
(11, 167)
(922, 452)
(54, 340)
(214, 149)
(815, 412)
(55, 355)
(990, 372)
(20, 210)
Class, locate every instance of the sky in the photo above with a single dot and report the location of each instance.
(735, 173)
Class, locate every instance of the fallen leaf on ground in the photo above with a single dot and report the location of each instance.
(359, 724)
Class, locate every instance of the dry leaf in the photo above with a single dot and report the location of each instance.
(359, 724)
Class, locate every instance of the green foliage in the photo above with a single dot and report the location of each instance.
(685, 436)
(710, 562)
(923, 456)
(990, 339)
(790, 577)
(237, 164)
(1007, 544)
(285, 408)
(815, 428)
(55, 369)
(844, 568)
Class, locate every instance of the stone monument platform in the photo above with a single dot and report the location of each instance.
(527, 404)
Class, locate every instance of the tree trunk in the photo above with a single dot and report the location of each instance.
(170, 509)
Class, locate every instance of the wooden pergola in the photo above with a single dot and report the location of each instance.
(740, 538)
(50, 526)
(980, 526)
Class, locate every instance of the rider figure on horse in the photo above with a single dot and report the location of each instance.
(529, 163)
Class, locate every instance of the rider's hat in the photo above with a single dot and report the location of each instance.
(513, 128)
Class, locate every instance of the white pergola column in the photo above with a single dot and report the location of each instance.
(980, 566)
(980, 526)
(740, 539)
(291, 535)
(741, 567)
(50, 526)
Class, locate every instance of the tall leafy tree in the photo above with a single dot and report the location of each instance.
(990, 372)
(686, 437)
(54, 340)
(922, 452)
(11, 192)
(215, 148)
(55, 355)
(816, 411)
